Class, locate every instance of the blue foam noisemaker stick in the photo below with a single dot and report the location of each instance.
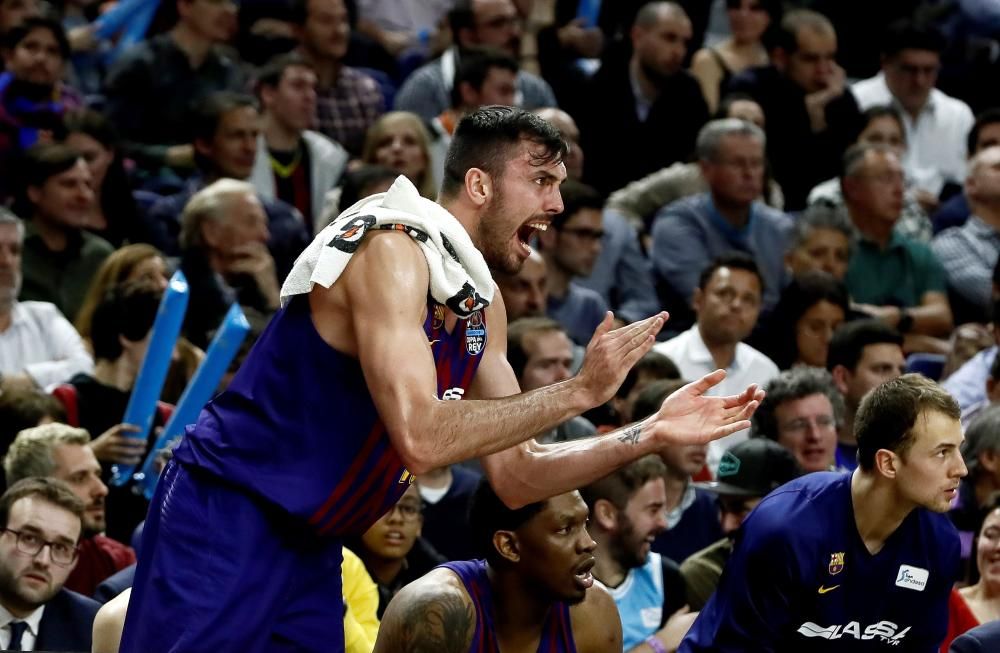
(220, 354)
(112, 21)
(589, 10)
(149, 383)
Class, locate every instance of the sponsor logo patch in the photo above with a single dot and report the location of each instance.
(912, 578)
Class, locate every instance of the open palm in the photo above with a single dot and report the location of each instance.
(689, 417)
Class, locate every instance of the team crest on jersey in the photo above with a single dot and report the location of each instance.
(475, 334)
(438, 321)
(349, 238)
(836, 563)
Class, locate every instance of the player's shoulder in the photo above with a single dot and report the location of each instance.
(595, 622)
(435, 607)
(938, 528)
(803, 507)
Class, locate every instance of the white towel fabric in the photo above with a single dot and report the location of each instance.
(460, 278)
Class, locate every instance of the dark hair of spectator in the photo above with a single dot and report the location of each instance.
(905, 34)
(357, 183)
(786, 34)
(576, 196)
(876, 111)
(778, 341)
(734, 261)
(37, 165)
(887, 414)
(209, 116)
(17, 34)
(622, 484)
(300, 12)
(520, 329)
(989, 117)
(653, 364)
(128, 310)
(23, 406)
(461, 17)
(489, 514)
(475, 67)
(271, 73)
(48, 489)
(849, 342)
(490, 137)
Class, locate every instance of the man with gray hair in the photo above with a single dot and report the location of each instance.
(63, 452)
(224, 234)
(690, 232)
(650, 108)
(36, 341)
(801, 411)
(890, 277)
(821, 241)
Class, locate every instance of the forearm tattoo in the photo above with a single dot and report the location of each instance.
(631, 434)
(442, 626)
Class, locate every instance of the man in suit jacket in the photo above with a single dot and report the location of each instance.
(40, 525)
(978, 640)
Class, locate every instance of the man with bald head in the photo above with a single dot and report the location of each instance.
(650, 109)
(890, 277)
(969, 252)
(474, 24)
(571, 133)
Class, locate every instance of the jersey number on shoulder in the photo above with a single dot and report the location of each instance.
(453, 394)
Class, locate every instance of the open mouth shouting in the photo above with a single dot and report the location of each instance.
(527, 231)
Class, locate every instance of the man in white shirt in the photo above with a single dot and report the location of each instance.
(936, 124)
(727, 303)
(35, 339)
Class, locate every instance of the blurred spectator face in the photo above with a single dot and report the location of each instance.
(575, 246)
(828, 250)
(524, 294)
(814, 330)
(29, 581)
(879, 363)
(243, 225)
(661, 48)
(10, 264)
(36, 59)
(400, 150)
(76, 465)
(983, 182)
(497, 25)
(13, 12)
(97, 157)
(293, 101)
(499, 87)
(747, 110)
(989, 135)
(911, 75)
(807, 428)
(549, 359)
(571, 134)
(748, 20)
(733, 510)
(812, 65)
(876, 189)
(326, 32)
(686, 460)
(393, 535)
(153, 269)
(213, 20)
(65, 199)
(885, 130)
(736, 175)
(988, 549)
(729, 305)
(234, 145)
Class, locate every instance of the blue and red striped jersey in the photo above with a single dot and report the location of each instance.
(298, 428)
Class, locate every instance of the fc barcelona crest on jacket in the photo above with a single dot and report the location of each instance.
(475, 334)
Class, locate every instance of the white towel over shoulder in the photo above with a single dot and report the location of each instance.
(460, 278)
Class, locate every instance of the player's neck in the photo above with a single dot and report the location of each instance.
(518, 610)
(878, 511)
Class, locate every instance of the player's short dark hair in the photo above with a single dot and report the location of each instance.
(848, 343)
(887, 414)
(650, 398)
(576, 196)
(520, 329)
(270, 74)
(127, 310)
(786, 35)
(475, 67)
(47, 489)
(906, 34)
(15, 35)
(790, 385)
(735, 261)
(619, 486)
(489, 514)
(653, 364)
(490, 136)
(989, 117)
(982, 435)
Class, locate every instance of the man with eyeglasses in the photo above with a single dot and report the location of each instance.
(801, 412)
(570, 247)
(936, 124)
(40, 525)
(691, 231)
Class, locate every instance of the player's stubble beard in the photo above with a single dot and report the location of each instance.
(493, 242)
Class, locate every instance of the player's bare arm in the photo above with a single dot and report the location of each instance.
(386, 305)
(431, 615)
(596, 625)
(532, 472)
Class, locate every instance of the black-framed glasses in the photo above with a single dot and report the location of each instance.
(31, 544)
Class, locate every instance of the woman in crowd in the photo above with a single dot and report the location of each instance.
(977, 604)
(399, 141)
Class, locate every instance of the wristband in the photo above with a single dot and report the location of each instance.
(655, 644)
